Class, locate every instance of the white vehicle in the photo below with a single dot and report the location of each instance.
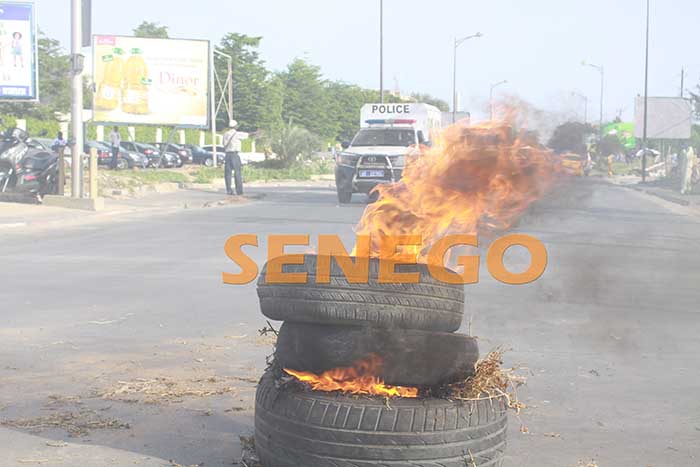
(377, 153)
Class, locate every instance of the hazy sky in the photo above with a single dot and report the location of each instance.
(537, 45)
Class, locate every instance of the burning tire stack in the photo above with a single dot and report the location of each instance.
(367, 341)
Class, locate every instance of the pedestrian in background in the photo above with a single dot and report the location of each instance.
(232, 147)
(116, 140)
(687, 171)
(59, 143)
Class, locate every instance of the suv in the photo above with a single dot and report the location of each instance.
(376, 155)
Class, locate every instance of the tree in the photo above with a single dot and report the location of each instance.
(306, 100)
(570, 137)
(345, 102)
(149, 29)
(610, 144)
(291, 141)
(251, 84)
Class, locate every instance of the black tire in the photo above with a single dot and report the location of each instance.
(344, 197)
(122, 164)
(316, 429)
(429, 305)
(373, 196)
(410, 357)
(208, 162)
(50, 187)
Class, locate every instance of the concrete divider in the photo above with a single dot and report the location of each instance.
(86, 204)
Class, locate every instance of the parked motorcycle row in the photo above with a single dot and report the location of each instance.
(26, 166)
(29, 166)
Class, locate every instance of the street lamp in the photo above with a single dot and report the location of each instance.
(381, 51)
(457, 43)
(602, 89)
(585, 104)
(494, 86)
(646, 101)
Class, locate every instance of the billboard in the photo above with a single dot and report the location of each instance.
(18, 52)
(667, 117)
(141, 81)
(624, 132)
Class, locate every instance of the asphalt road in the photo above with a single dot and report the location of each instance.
(609, 333)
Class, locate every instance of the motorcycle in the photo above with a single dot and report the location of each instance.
(26, 167)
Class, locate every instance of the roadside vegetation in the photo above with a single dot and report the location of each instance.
(127, 182)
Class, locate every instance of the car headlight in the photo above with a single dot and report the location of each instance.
(398, 161)
(347, 159)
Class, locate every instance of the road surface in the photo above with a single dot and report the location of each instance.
(92, 314)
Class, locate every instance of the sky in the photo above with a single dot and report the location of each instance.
(536, 45)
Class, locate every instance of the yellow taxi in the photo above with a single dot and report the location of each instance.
(573, 163)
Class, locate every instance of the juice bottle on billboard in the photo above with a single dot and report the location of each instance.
(136, 83)
(109, 89)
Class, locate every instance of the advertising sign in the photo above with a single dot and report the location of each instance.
(142, 81)
(624, 132)
(667, 117)
(18, 52)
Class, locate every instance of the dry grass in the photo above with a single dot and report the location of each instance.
(248, 456)
(75, 423)
(490, 380)
(165, 390)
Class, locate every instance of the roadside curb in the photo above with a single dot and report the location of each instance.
(665, 196)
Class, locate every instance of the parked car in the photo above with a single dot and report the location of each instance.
(128, 156)
(246, 157)
(220, 154)
(184, 153)
(199, 155)
(169, 159)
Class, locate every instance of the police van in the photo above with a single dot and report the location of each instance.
(377, 153)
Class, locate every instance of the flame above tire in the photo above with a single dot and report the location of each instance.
(474, 179)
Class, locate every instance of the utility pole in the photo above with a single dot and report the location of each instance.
(646, 99)
(76, 98)
(381, 51)
(457, 43)
(212, 105)
(601, 70)
(682, 81)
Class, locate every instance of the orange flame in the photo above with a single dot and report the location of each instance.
(474, 179)
(360, 378)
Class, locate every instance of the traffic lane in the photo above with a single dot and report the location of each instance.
(106, 271)
(142, 300)
(543, 327)
(608, 333)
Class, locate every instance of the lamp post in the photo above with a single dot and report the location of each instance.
(585, 104)
(646, 98)
(76, 99)
(494, 86)
(381, 51)
(457, 43)
(601, 70)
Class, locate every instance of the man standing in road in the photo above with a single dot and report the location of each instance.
(232, 147)
(116, 141)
